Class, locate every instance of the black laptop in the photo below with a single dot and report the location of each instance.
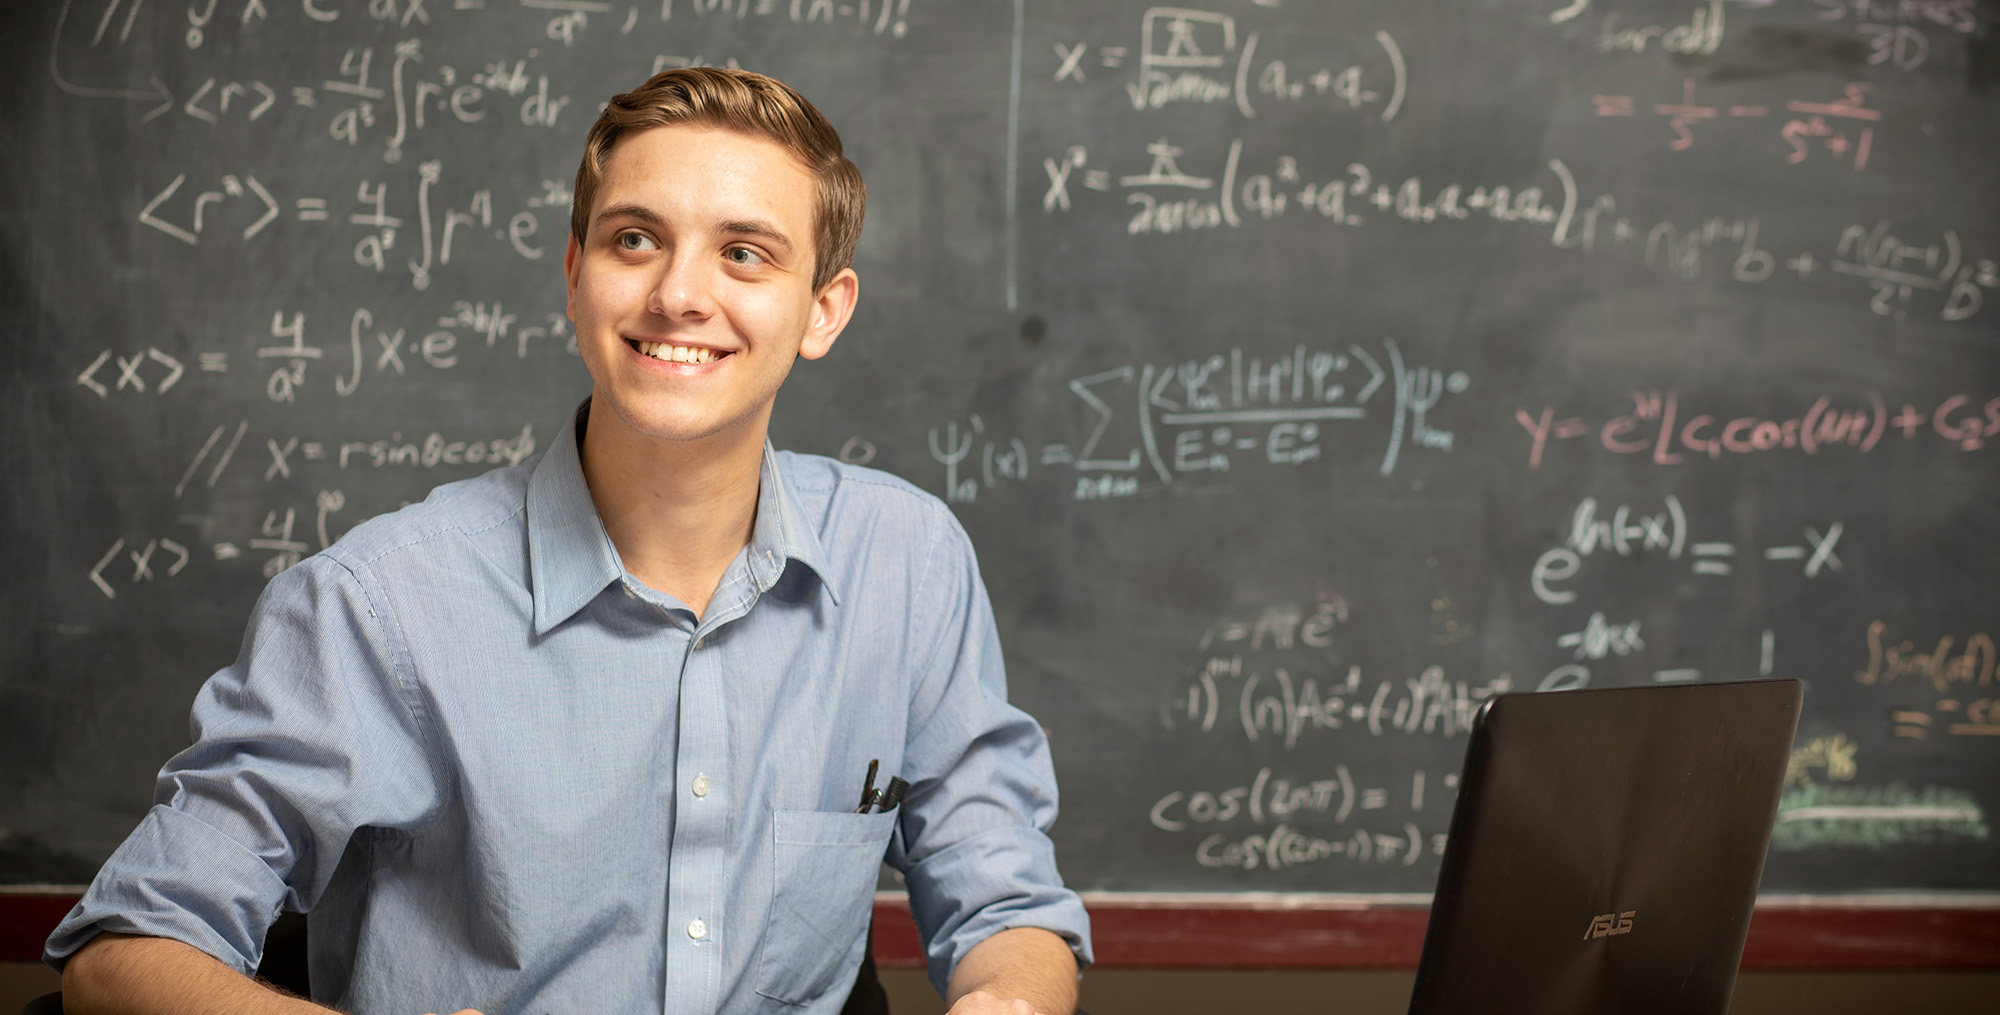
(1605, 850)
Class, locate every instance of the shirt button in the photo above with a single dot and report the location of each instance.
(699, 641)
(697, 929)
(701, 785)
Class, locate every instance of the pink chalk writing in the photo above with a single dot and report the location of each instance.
(1661, 428)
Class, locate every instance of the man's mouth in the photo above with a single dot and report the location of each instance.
(671, 353)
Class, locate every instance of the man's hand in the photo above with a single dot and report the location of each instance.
(980, 1002)
(1019, 971)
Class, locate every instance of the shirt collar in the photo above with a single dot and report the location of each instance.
(570, 556)
(780, 533)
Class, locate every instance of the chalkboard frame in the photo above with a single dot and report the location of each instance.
(1839, 931)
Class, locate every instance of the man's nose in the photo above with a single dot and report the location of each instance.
(684, 289)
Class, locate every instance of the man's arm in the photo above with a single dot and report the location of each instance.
(1016, 966)
(118, 973)
(973, 840)
(303, 739)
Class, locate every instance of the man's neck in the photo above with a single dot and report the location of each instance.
(677, 512)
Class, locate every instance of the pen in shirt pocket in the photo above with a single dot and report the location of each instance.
(885, 799)
(893, 795)
(868, 790)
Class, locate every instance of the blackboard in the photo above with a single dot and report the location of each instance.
(1304, 373)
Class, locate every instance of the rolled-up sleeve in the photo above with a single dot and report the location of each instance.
(974, 845)
(314, 732)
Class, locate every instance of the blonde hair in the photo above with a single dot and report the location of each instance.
(754, 104)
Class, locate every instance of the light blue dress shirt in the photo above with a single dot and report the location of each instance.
(504, 774)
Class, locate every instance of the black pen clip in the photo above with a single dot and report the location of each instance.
(893, 795)
(869, 794)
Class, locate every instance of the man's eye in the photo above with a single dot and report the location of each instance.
(743, 255)
(635, 241)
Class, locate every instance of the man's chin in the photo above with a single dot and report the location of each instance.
(683, 430)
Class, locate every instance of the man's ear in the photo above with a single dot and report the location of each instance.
(831, 310)
(572, 259)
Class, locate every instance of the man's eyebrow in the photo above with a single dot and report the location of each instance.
(630, 211)
(762, 230)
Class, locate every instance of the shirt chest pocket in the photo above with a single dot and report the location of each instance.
(824, 890)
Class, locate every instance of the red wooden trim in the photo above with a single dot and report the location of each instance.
(26, 918)
(1184, 935)
(1179, 935)
(1188, 936)
(1813, 937)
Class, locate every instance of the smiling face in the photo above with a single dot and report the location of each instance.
(692, 289)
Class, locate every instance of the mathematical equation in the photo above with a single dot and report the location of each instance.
(1205, 416)
(1168, 193)
(1187, 56)
(280, 536)
(385, 95)
(1894, 269)
(1171, 199)
(1277, 803)
(1625, 532)
(440, 227)
(1661, 430)
(137, 559)
(371, 350)
(1274, 704)
(1285, 847)
(1239, 689)
(1841, 129)
(1959, 674)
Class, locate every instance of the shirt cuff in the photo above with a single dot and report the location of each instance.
(177, 877)
(997, 880)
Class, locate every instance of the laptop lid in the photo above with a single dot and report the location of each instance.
(1605, 850)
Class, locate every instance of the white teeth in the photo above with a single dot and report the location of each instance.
(677, 353)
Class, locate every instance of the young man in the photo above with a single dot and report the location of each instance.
(593, 733)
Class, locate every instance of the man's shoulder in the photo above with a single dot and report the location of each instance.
(454, 518)
(833, 494)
